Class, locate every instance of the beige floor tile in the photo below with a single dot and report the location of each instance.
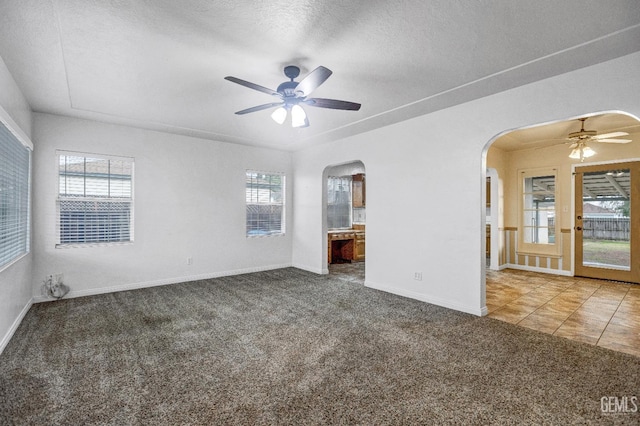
(587, 332)
(622, 333)
(554, 312)
(565, 304)
(509, 314)
(586, 310)
(630, 306)
(626, 319)
(531, 301)
(541, 323)
(591, 317)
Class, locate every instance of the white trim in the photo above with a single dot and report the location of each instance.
(428, 299)
(320, 271)
(535, 269)
(176, 280)
(98, 156)
(16, 259)
(15, 129)
(9, 334)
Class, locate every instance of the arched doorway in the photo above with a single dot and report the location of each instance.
(344, 220)
(553, 195)
(538, 221)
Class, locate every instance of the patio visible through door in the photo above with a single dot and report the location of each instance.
(607, 221)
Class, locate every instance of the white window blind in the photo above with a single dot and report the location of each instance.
(265, 203)
(95, 199)
(339, 202)
(15, 161)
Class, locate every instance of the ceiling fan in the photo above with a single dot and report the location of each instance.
(292, 95)
(578, 141)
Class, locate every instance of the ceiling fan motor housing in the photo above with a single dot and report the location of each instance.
(583, 134)
(287, 89)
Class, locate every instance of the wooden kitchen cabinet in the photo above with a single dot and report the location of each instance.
(359, 190)
(345, 246)
(358, 253)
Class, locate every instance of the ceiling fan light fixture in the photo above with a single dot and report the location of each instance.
(298, 117)
(575, 154)
(581, 151)
(588, 152)
(279, 115)
(290, 93)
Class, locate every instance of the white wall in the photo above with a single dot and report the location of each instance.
(189, 202)
(435, 164)
(15, 280)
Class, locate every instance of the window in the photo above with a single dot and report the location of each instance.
(15, 161)
(265, 203)
(538, 224)
(339, 202)
(95, 199)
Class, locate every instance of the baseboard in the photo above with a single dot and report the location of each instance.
(429, 299)
(175, 280)
(7, 337)
(312, 269)
(538, 269)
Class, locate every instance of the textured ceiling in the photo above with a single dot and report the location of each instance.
(161, 64)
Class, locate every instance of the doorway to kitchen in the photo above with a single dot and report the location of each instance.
(345, 220)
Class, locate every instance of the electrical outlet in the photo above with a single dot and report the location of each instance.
(417, 276)
(189, 260)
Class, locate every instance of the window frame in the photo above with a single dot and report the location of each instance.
(349, 203)
(21, 138)
(283, 204)
(546, 249)
(59, 198)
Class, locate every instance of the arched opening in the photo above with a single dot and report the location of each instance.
(344, 220)
(569, 224)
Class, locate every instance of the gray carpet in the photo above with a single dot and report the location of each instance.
(291, 347)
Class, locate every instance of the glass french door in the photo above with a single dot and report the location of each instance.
(607, 221)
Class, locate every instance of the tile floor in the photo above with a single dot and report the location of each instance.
(353, 271)
(598, 312)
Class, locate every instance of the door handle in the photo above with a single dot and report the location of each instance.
(578, 228)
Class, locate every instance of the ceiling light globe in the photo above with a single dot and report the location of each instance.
(298, 117)
(279, 115)
(575, 154)
(588, 152)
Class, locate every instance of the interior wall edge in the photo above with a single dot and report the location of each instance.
(10, 332)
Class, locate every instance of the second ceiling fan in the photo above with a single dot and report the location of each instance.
(578, 141)
(292, 95)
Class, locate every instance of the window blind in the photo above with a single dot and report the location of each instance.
(264, 194)
(95, 199)
(15, 161)
(339, 202)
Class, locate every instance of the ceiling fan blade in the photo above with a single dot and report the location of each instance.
(611, 135)
(613, 140)
(314, 79)
(253, 86)
(260, 108)
(332, 103)
(573, 145)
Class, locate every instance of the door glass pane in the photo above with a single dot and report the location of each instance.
(606, 212)
(539, 210)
